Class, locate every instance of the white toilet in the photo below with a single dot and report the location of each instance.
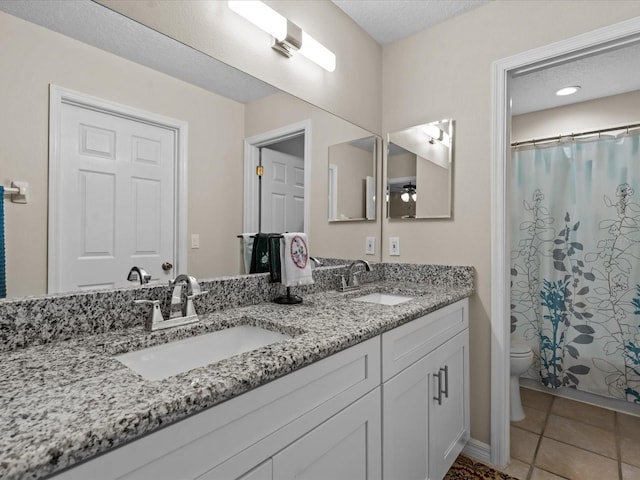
(521, 357)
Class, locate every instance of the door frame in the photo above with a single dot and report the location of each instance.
(569, 49)
(252, 147)
(333, 192)
(58, 96)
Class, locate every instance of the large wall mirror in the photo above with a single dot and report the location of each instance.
(419, 171)
(84, 47)
(352, 179)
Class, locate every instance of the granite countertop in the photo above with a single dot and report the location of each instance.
(67, 401)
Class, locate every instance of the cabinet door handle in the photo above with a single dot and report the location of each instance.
(446, 380)
(439, 397)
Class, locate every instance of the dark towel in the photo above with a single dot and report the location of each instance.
(274, 258)
(265, 256)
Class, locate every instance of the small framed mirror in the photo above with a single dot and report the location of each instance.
(352, 180)
(419, 171)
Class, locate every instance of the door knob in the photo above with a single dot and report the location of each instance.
(166, 266)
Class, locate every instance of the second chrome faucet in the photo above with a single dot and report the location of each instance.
(351, 281)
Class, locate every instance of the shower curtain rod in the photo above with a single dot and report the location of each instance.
(574, 135)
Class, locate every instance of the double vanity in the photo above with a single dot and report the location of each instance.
(366, 384)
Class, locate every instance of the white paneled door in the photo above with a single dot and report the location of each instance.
(116, 198)
(282, 192)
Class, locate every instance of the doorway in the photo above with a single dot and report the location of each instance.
(278, 202)
(117, 193)
(282, 190)
(599, 40)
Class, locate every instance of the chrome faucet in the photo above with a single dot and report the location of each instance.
(180, 308)
(182, 311)
(315, 263)
(137, 273)
(351, 282)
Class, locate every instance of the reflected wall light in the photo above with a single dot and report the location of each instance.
(288, 37)
(433, 131)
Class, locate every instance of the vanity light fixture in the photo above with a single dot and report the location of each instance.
(568, 90)
(288, 37)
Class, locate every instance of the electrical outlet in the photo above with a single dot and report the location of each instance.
(370, 248)
(195, 240)
(394, 246)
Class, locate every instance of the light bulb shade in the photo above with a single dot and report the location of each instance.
(288, 36)
(261, 16)
(414, 196)
(404, 197)
(317, 53)
(433, 131)
(568, 90)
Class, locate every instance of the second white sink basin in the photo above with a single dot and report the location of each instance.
(383, 298)
(162, 361)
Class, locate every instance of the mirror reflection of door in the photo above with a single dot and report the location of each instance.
(115, 201)
(282, 198)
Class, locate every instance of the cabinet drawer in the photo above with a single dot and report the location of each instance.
(194, 445)
(408, 343)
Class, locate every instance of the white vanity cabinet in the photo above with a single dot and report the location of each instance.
(425, 394)
(345, 447)
(297, 415)
(394, 407)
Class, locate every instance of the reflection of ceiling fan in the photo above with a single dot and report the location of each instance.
(409, 192)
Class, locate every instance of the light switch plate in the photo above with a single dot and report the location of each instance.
(195, 240)
(394, 246)
(370, 248)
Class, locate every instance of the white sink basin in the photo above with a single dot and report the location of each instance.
(162, 361)
(384, 298)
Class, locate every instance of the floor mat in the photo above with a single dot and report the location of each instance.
(466, 469)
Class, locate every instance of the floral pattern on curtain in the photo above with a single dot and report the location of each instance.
(575, 263)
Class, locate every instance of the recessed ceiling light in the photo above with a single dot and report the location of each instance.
(568, 90)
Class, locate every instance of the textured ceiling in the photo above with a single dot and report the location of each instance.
(388, 21)
(609, 73)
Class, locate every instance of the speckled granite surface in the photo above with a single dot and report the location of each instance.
(65, 401)
(43, 319)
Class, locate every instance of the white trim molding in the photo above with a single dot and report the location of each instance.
(599, 40)
(59, 96)
(477, 450)
(252, 160)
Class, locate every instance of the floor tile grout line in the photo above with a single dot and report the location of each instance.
(614, 458)
(616, 431)
(616, 435)
(544, 427)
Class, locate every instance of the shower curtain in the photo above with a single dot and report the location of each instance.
(575, 263)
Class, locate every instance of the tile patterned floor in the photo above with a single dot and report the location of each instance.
(562, 438)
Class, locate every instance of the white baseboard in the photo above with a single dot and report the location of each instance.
(478, 450)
